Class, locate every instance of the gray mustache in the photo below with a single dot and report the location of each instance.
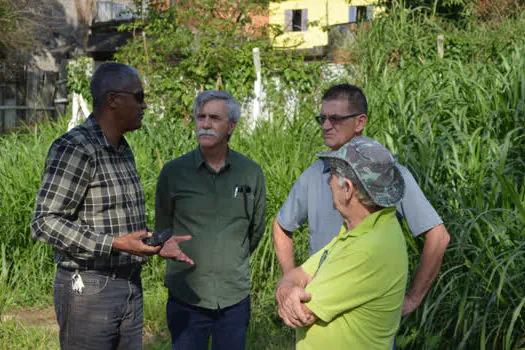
(206, 132)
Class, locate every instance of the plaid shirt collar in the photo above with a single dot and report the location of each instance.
(100, 138)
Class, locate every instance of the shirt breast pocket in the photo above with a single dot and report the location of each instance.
(241, 206)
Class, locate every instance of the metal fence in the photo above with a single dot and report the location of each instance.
(28, 94)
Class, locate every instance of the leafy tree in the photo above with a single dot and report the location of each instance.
(21, 24)
(197, 45)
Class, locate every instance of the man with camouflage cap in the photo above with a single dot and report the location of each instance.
(343, 116)
(356, 283)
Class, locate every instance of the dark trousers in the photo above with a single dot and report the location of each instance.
(192, 326)
(107, 314)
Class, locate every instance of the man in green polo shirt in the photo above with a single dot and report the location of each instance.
(217, 196)
(355, 285)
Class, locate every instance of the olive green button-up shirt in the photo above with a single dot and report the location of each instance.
(224, 212)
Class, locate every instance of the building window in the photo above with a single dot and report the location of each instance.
(112, 10)
(295, 20)
(358, 14)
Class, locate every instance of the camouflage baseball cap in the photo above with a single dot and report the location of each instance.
(370, 167)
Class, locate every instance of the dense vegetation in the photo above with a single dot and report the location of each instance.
(458, 123)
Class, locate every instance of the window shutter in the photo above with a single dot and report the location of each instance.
(288, 15)
(352, 14)
(304, 20)
(369, 12)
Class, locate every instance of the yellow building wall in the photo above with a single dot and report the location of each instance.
(322, 12)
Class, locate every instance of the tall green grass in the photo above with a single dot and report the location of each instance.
(458, 123)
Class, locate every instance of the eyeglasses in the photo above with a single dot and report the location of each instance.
(335, 118)
(139, 96)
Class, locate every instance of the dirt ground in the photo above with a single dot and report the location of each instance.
(33, 317)
(43, 317)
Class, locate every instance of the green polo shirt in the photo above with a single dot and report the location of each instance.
(224, 212)
(358, 285)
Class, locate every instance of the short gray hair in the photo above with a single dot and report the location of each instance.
(234, 109)
(110, 76)
(361, 195)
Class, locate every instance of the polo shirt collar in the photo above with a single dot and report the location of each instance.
(367, 224)
(199, 159)
(326, 167)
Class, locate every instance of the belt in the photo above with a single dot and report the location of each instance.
(129, 272)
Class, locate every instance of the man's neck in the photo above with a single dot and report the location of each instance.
(357, 213)
(215, 157)
(337, 148)
(112, 133)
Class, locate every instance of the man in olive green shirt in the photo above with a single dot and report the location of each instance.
(217, 196)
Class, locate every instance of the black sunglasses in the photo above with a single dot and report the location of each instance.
(335, 118)
(139, 96)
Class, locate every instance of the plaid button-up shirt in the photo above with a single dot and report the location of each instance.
(90, 193)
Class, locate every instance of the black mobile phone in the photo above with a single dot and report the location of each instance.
(158, 237)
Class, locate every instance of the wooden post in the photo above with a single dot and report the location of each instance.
(186, 119)
(257, 87)
(218, 83)
(440, 40)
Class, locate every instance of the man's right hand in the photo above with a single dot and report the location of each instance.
(132, 244)
(171, 250)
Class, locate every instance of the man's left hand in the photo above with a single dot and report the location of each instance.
(171, 250)
(436, 241)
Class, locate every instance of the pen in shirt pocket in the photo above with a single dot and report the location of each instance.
(241, 189)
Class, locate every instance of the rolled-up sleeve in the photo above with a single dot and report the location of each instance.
(66, 179)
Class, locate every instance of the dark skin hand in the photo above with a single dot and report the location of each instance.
(132, 244)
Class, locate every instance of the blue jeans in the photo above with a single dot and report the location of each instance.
(107, 314)
(191, 326)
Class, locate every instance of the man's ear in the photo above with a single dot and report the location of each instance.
(231, 127)
(360, 123)
(111, 100)
(348, 189)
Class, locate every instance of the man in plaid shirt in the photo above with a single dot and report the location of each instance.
(91, 209)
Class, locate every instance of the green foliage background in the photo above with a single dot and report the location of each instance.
(458, 123)
(191, 47)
